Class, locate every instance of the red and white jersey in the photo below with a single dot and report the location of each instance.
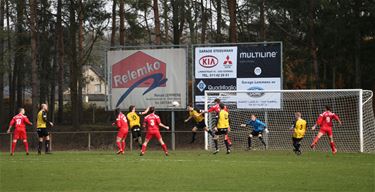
(19, 121)
(121, 121)
(216, 108)
(325, 119)
(152, 122)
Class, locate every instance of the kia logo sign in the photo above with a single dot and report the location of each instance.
(208, 61)
(255, 94)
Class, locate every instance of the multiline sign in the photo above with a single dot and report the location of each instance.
(149, 77)
(255, 66)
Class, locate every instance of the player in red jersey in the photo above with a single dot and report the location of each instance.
(19, 123)
(325, 122)
(216, 109)
(122, 125)
(152, 122)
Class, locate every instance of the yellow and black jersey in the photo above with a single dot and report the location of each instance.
(299, 129)
(42, 120)
(196, 116)
(223, 120)
(133, 119)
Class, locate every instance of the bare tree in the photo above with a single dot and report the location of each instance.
(60, 61)
(34, 57)
(157, 22)
(204, 22)
(313, 48)
(262, 24)
(2, 66)
(73, 64)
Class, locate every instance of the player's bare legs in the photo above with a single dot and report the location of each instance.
(194, 133)
(227, 144)
(14, 142)
(249, 141)
(46, 143)
(313, 144)
(26, 144)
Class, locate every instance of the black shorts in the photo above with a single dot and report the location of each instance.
(221, 131)
(42, 132)
(256, 133)
(136, 131)
(296, 140)
(201, 125)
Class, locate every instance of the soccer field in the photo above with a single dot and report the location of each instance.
(187, 171)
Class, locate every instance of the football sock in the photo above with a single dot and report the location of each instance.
(40, 146)
(123, 144)
(216, 145)
(144, 147)
(249, 142)
(119, 146)
(226, 144)
(47, 145)
(261, 139)
(333, 147)
(13, 146)
(228, 139)
(211, 133)
(165, 149)
(26, 146)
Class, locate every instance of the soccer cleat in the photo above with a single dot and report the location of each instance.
(298, 152)
(166, 154)
(39, 153)
(11, 154)
(228, 151)
(216, 151)
(248, 149)
(312, 146)
(141, 154)
(119, 152)
(27, 153)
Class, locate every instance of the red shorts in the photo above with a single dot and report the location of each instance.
(20, 134)
(122, 133)
(150, 135)
(326, 130)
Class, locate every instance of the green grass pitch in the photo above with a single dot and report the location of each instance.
(187, 171)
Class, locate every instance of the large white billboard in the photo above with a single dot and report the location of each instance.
(149, 77)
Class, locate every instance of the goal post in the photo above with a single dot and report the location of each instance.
(277, 107)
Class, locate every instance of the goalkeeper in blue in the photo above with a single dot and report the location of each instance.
(258, 128)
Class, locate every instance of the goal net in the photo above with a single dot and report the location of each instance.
(277, 108)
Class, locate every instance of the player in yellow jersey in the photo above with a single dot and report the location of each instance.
(135, 124)
(199, 120)
(299, 130)
(222, 128)
(42, 129)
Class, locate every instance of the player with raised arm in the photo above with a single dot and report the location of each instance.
(42, 129)
(152, 122)
(222, 128)
(199, 120)
(258, 128)
(216, 109)
(325, 121)
(299, 130)
(122, 125)
(19, 123)
(135, 124)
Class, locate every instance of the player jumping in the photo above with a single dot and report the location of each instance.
(325, 123)
(258, 128)
(19, 123)
(216, 108)
(222, 128)
(199, 120)
(152, 122)
(122, 125)
(299, 128)
(135, 124)
(42, 130)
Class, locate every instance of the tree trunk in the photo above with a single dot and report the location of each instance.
(122, 23)
(34, 58)
(80, 58)
(157, 22)
(204, 23)
(73, 65)
(313, 48)
(20, 54)
(10, 68)
(60, 60)
(52, 100)
(175, 21)
(113, 33)
(219, 38)
(232, 5)
(2, 66)
(166, 24)
(262, 24)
